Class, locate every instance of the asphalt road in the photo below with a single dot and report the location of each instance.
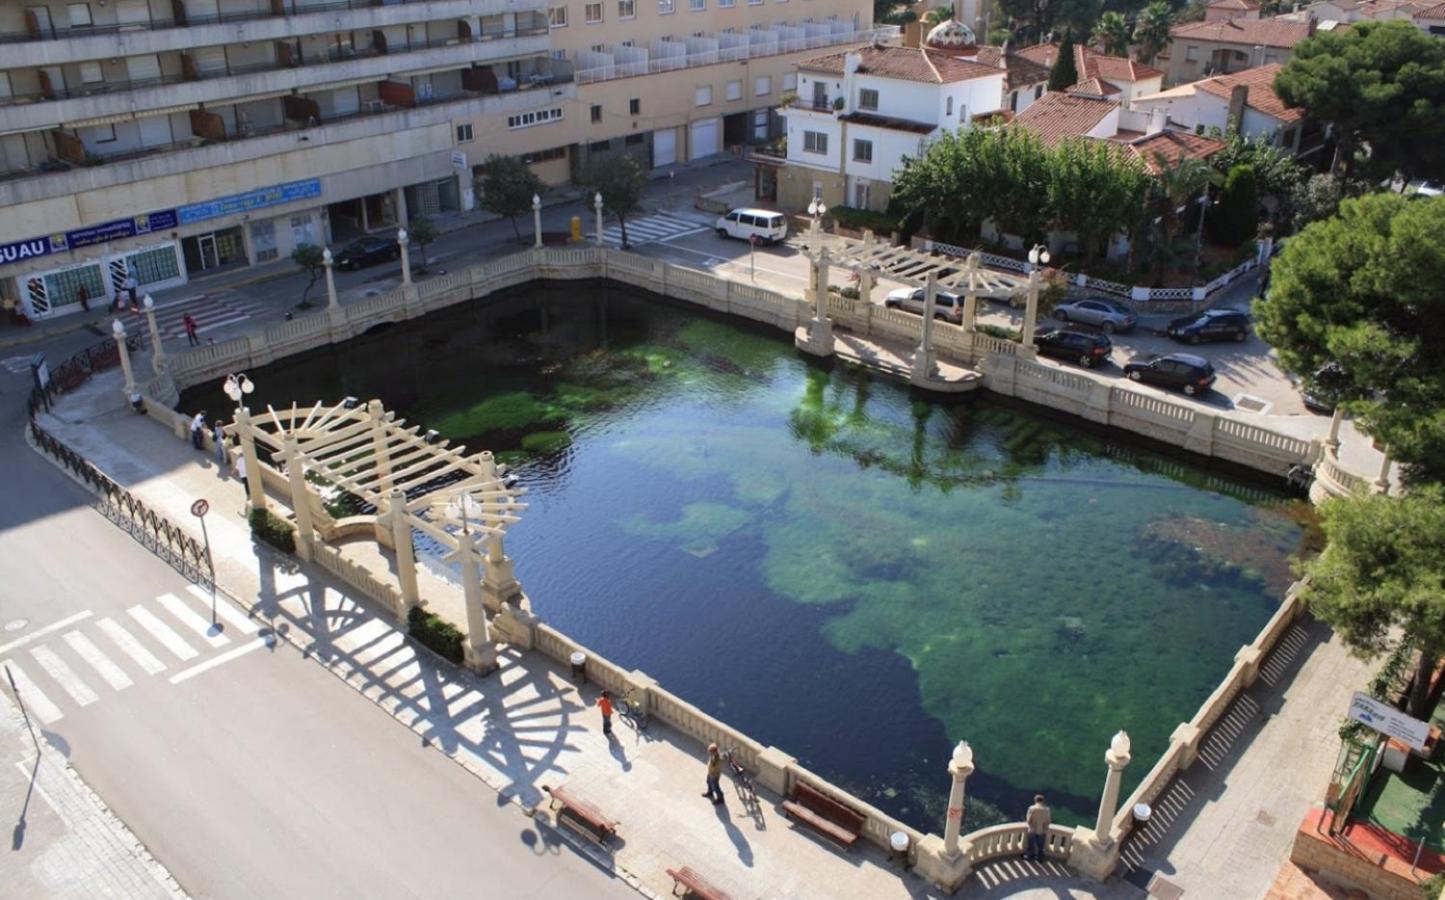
(246, 769)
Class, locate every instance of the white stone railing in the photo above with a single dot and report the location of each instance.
(1010, 840)
(1332, 480)
(357, 575)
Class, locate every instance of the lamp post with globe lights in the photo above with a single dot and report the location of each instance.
(158, 353)
(329, 263)
(960, 766)
(597, 206)
(537, 221)
(402, 241)
(817, 209)
(117, 330)
(237, 387)
(1038, 257)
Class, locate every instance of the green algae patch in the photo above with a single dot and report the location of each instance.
(546, 443)
(702, 525)
(501, 412)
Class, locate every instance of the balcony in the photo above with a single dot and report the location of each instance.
(58, 46)
(49, 112)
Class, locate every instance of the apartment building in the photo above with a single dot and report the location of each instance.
(165, 139)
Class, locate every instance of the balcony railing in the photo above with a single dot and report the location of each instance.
(712, 57)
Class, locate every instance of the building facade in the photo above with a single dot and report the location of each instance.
(1201, 49)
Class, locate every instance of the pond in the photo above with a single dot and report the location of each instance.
(828, 561)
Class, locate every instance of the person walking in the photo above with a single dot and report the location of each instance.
(1038, 820)
(132, 287)
(218, 438)
(188, 322)
(604, 704)
(714, 774)
(198, 430)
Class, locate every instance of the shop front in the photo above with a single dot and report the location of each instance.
(214, 250)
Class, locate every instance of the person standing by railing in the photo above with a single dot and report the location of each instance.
(1038, 820)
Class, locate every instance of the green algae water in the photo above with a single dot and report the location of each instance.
(837, 566)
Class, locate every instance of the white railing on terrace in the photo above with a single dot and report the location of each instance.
(670, 56)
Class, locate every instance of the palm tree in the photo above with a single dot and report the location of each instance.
(938, 15)
(1111, 34)
(1178, 184)
(1151, 29)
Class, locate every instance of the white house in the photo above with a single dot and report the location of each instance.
(860, 112)
(1244, 99)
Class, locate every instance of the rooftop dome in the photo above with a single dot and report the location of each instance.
(950, 34)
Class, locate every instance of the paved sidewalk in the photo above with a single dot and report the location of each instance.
(64, 842)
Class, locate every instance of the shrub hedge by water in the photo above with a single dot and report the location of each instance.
(273, 529)
(435, 633)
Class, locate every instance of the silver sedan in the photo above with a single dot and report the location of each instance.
(1108, 315)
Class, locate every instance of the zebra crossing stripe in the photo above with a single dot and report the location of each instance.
(192, 620)
(162, 632)
(41, 632)
(31, 696)
(234, 617)
(113, 674)
(131, 647)
(64, 675)
(218, 659)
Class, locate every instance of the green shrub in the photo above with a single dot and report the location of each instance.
(273, 529)
(435, 633)
(858, 219)
(1000, 332)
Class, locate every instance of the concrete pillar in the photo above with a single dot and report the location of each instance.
(1336, 418)
(499, 585)
(117, 330)
(300, 498)
(819, 338)
(365, 216)
(331, 301)
(1382, 481)
(379, 450)
(923, 362)
(960, 767)
(1095, 853)
(865, 286)
(1031, 309)
(255, 485)
(1117, 758)
(480, 652)
(597, 205)
(820, 286)
(158, 353)
(402, 241)
(537, 221)
(405, 553)
(970, 295)
(398, 202)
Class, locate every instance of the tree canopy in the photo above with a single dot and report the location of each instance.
(1381, 578)
(1235, 218)
(1065, 72)
(1382, 86)
(311, 259)
(1362, 289)
(1276, 172)
(1151, 29)
(620, 180)
(1096, 191)
(1111, 34)
(507, 187)
(422, 232)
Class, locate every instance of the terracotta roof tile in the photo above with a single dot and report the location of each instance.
(1018, 71)
(905, 64)
(1173, 145)
(1055, 116)
(1093, 87)
(1260, 82)
(1277, 32)
(1092, 64)
(1432, 12)
(1234, 4)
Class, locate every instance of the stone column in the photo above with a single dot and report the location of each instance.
(300, 498)
(405, 554)
(819, 339)
(331, 301)
(597, 205)
(865, 286)
(537, 221)
(158, 353)
(923, 362)
(1117, 757)
(499, 586)
(255, 482)
(1031, 309)
(820, 287)
(398, 204)
(960, 767)
(480, 652)
(1336, 418)
(117, 329)
(380, 453)
(1382, 481)
(402, 241)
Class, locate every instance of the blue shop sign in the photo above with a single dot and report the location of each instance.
(257, 199)
(114, 231)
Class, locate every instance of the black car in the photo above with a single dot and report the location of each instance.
(1211, 325)
(1323, 388)
(367, 251)
(1185, 371)
(1088, 350)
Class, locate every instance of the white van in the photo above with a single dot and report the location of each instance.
(769, 227)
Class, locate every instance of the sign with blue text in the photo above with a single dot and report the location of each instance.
(257, 199)
(1388, 720)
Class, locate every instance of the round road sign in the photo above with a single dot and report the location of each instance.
(200, 508)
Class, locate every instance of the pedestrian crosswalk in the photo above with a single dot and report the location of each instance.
(212, 310)
(651, 229)
(81, 660)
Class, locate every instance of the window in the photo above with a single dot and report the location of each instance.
(157, 264)
(557, 17)
(697, 5)
(755, 2)
(90, 72)
(1038, 91)
(948, 106)
(634, 140)
(790, 81)
(103, 134)
(634, 106)
(80, 15)
(1013, 101)
(726, 4)
(735, 90)
(597, 112)
(540, 117)
(464, 133)
(544, 155)
(599, 147)
(862, 151)
(1191, 53)
(703, 95)
(593, 13)
(815, 142)
(626, 9)
(666, 7)
(763, 85)
(867, 98)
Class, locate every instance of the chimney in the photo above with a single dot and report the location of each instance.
(1238, 97)
(913, 34)
(851, 62)
(1158, 117)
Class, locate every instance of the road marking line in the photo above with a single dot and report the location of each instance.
(41, 632)
(132, 647)
(162, 632)
(234, 617)
(192, 619)
(113, 674)
(220, 659)
(64, 675)
(32, 696)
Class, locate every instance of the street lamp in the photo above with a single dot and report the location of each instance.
(817, 209)
(1204, 204)
(597, 205)
(238, 386)
(1039, 254)
(1038, 257)
(537, 220)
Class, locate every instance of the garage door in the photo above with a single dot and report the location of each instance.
(706, 138)
(664, 147)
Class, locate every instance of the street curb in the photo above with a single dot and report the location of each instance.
(586, 849)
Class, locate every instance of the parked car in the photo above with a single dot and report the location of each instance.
(1322, 388)
(767, 226)
(1085, 348)
(1106, 314)
(1185, 371)
(946, 304)
(1211, 325)
(367, 251)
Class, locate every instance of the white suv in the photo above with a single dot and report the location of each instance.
(947, 305)
(766, 226)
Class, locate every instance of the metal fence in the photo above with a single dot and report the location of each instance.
(77, 370)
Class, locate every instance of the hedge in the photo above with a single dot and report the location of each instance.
(435, 633)
(273, 529)
(858, 219)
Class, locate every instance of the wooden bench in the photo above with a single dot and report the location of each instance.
(583, 817)
(695, 885)
(824, 814)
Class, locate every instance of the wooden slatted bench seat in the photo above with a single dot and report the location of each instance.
(695, 885)
(824, 814)
(583, 817)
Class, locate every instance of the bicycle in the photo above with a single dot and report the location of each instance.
(741, 778)
(632, 708)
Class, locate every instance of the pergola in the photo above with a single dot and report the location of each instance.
(414, 481)
(913, 267)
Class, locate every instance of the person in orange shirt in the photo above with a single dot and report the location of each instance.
(604, 703)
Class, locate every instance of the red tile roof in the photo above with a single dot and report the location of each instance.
(1091, 64)
(1284, 33)
(1261, 97)
(1234, 4)
(1093, 87)
(1018, 70)
(905, 64)
(1172, 145)
(1055, 116)
(1434, 12)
